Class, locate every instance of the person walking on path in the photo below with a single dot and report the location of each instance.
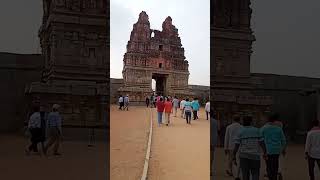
(54, 129)
(126, 102)
(232, 132)
(182, 103)
(155, 101)
(147, 101)
(275, 142)
(188, 110)
(279, 124)
(160, 109)
(213, 143)
(120, 102)
(175, 103)
(195, 107)
(167, 111)
(207, 109)
(43, 117)
(34, 127)
(312, 148)
(152, 101)
(247, 144)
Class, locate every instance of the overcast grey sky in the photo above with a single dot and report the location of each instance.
(288, 36)
(192, 20)
(287, 32)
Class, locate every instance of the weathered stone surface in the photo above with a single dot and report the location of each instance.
(73, 39)
(153, 54)
(232, 86)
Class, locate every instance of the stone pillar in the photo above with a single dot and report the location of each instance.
(318, 103)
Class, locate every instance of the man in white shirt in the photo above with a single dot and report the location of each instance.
(34, 127)
(207, 108)
(120, 102)
(312, 148)
(229, 143)
(182, 103)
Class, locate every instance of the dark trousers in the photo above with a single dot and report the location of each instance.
(35, 139)
(272, 166)
(54, 139)
(311, 164)
(195, 115)
(250, 167)
(188, 117)
(207, 113)
(121, 105)
(126, 106)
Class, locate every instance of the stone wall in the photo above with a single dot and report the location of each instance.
(115, 84)
(201, 92)
(16, 71)
(295, 110)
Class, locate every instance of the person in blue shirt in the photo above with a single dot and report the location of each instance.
(195, 107)
(249, 143)
(275, 142)
(54, 130)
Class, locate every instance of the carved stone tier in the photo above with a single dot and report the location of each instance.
(153, 54)
(232, 86)
(73, 38)
(83, 104)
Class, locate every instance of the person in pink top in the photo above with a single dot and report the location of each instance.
(167, 110)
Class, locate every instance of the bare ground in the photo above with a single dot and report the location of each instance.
(180, 151)
(128, 142)
(78, 162)
(294, 165)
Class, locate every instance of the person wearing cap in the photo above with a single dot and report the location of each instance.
(54, 130)
(126, 102)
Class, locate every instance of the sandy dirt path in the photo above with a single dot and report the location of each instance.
(180, 151)
(128, 141)
(78, 162)
(294, 165)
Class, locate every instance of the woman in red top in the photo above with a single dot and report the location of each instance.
(167, 111)
(160, 109)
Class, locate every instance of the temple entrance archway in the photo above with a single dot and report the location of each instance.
(160, 84)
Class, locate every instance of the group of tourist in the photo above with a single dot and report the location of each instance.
(43, 126)
(124, 102)
(244, 145)
(167, 106)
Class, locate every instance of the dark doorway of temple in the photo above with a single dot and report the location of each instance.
(160, 84)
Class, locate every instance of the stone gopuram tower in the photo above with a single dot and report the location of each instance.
(158, 55)
(231, 83)
(73, 38)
